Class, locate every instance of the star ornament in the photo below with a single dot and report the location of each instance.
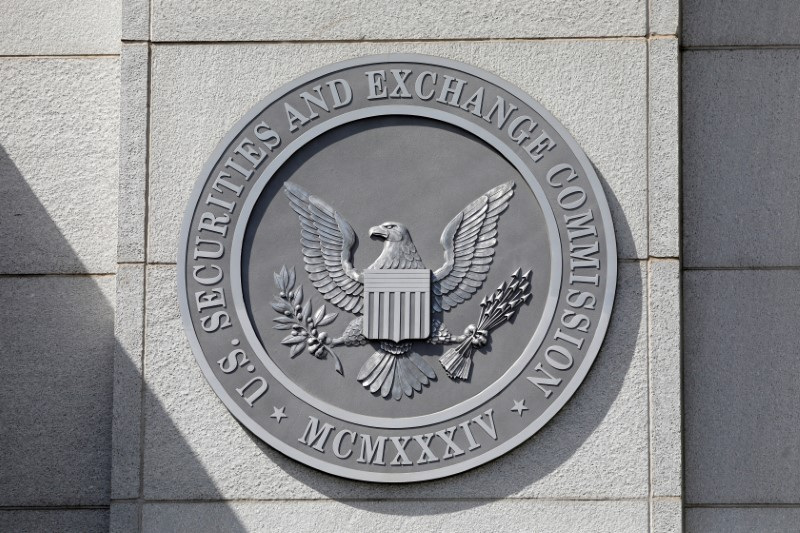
(278, 414)
(519, 407)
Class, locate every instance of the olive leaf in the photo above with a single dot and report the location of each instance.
(327, 319)
(284, 277)
(298, 296)
(281, 306)
(297, 349)
(296, 316)
(318, 315)
(292, 339)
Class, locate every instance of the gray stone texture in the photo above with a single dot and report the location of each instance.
(741, 387)
(301, 20)
(474, 516)
(665, 376)
(743, 520)
(664, 16)
(740, 22)
(596, 447)
(133, 140)
(59, 27)
(597, 89)
(663, 152)
(58, 164)
(135, 20)
(55, 395)
(124, 517)
(55, 520)
(741, 183)
(666, 515)
(126, 422)
(66, 136)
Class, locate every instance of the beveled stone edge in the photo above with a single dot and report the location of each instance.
(127, 387)
(663, 150)
(135, 20)
(133, 152)
(665, 378)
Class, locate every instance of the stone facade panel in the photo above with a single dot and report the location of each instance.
(595, 88)
(59, 135)
(307, 20)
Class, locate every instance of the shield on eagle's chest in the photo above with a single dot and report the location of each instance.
(397, 304)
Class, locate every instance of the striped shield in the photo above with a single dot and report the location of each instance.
(397, 304)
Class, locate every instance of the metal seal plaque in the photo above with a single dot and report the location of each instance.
(396, 268)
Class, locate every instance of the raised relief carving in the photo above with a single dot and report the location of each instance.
(397, 295)
(373, 369)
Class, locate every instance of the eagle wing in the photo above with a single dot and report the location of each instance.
(468, 242)
(327, 241)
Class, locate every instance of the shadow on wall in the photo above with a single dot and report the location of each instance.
(57, 348)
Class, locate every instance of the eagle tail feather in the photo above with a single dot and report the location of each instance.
(394, 371)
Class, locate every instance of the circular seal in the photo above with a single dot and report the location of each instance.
(396, 268)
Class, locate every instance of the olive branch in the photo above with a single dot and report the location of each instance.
(298, 317)
(496, 308)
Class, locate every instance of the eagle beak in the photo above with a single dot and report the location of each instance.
(377, 231)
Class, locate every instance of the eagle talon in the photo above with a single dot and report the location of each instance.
(477, 337)
(480, 338)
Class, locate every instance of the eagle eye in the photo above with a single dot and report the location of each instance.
(389, 226)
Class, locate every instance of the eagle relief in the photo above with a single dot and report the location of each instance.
(392, 296)
(396, 268)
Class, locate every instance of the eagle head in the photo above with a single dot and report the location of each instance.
(398, 249)
(390, 232)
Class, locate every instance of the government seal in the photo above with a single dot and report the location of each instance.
(396, 268)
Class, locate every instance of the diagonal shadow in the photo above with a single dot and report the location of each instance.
(57, 392)
(62, 385)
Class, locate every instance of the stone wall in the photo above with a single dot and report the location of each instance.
(90, 265)
(59, 131)
(741, 198)
(610, 461)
